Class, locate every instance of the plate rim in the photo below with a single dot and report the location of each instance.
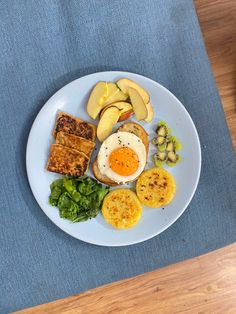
(150, 236)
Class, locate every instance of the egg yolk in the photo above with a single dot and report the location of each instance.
(124, 161)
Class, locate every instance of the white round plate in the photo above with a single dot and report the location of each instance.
(72, 99)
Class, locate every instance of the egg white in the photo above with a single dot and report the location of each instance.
(117, 140)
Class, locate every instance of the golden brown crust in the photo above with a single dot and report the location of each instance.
(72, 125)
(121, 208)
(155, 187)
(100, 177)
(136, 129)
(67, 161)
(79, 143)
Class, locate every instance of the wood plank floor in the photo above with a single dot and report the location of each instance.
(218, 23)
(206, 284)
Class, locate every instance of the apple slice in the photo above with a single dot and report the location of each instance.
(101, 95)
(123, 106)
(139, 107)
(111, 89)
(126, 115)
(118, 95)
(126, 110)
(96, 99)
(150, 112)
(125, 83)
(106, 123)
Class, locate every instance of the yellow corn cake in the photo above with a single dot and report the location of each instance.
(121, 208)
(155, 187)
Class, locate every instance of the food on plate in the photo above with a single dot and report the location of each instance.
(160, 141)
(122, 157)
(167, 146)
(130, 127)
(74, 145)
(116, 103)
(172, 158)
(123, 94)
(126, 110)
(76, 142)
(69, 124)
(126, 115)
(162, 129)
(150, 111)
(125, 83)
(155, 187)
(138, 104)
(103, 94)
(110, 115)
(121, 208)
(114, 94)
(101, 177)
(118, 95)
(170, 146)
(160, 157)
(106, 123)
(136, 129)
(139, 98)
(96, 99)
(78, 199)
(69, 161)
(111, 89)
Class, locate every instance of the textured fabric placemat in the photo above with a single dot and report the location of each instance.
(46, 44)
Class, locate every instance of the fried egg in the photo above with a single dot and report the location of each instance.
(122, 157)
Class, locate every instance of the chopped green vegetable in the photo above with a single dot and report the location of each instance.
(87, 186)
(78, 199)
(56, 190)
(56, 183)
(69, 185)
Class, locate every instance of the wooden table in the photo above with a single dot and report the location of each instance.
(206, 284)
(218, 23)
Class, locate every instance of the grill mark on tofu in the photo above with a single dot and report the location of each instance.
(76, 142)
(67, 161)
(73, 125)
(84, 130)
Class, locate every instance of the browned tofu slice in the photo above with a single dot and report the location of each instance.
(76, 142)
(67, 161)
(72, 125)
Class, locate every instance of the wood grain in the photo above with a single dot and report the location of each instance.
(205, 284)
(218, 23)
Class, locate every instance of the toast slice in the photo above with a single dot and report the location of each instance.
(67, 161)
(136, 129)
(72, 125)
(73, 141)
(100, 177)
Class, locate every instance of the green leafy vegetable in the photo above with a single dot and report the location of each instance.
(87, 186)
(78, 199)
(56, 190)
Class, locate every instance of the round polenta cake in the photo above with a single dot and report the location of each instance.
(155, 187)
(121, 208)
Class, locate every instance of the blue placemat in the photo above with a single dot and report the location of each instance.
(45, 45)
